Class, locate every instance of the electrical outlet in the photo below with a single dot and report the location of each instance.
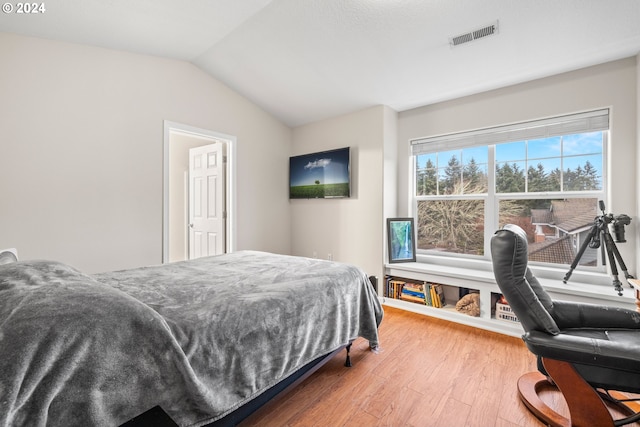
(330, 257)
(315, 254)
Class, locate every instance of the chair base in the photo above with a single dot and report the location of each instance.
(587, 407)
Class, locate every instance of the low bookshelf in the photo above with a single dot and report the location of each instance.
(494, 315)
(426, 285)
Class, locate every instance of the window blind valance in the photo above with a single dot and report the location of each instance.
(591, 121)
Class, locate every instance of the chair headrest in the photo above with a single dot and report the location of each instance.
(512, 247)
(525, 295)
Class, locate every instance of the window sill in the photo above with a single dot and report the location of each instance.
(582, 286)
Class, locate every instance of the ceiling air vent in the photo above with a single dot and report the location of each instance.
(476, 34)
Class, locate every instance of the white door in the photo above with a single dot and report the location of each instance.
(206, 201)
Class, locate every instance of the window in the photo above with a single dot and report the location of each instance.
(546, 176)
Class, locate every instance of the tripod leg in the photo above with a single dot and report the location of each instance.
(611, 246)
(621, 263)
(583, 248)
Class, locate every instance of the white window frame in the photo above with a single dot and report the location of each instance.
(589, 121)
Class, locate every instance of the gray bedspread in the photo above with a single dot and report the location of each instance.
(198, 338)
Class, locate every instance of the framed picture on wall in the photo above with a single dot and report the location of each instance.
(401, 240)
(322, 175)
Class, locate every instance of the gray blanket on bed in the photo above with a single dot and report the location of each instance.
(198, 338)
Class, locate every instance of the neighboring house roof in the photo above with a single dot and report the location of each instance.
(568, 211)
(570, 216)
(558, 251)
(577, 223)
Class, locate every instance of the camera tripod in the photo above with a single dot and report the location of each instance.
(598, 234)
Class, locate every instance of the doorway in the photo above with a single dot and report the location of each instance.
(178, 140)
(207, 210)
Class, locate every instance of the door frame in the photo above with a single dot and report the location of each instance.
(230, 191)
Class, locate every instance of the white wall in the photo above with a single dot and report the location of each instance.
(611, 85)
(81, 142)
(350, 229)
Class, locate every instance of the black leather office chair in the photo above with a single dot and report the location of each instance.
(591, 353)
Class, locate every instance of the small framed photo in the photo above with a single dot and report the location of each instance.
(401, 240)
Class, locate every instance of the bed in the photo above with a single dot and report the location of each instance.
(200, 339)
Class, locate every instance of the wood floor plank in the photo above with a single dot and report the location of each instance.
(361, 418)
(453, 413)
(488, 387)
(398, 411)
(429, 372)
(340, 400)
(501, 422)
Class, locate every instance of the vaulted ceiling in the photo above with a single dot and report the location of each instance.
(306, 60)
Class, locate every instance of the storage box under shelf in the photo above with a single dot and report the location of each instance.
(505, 313)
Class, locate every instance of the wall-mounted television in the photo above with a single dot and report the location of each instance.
(321, 175)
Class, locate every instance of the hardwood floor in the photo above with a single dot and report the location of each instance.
(429, 372)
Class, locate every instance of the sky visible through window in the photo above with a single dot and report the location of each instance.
(573, 149)
(572, 153)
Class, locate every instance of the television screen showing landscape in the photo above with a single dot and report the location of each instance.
(320, 175)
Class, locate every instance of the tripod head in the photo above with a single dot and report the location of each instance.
(600, 233)
(601, 222)
(617, 221)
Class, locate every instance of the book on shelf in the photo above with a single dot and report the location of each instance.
(412, 298)
(413, 287)
(429, 294)
(419, 294)
(413, 292)
(434, 297)
(439, 290)
(394, 288)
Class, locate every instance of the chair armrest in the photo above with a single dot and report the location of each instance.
(580, 315)
(622, 354)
